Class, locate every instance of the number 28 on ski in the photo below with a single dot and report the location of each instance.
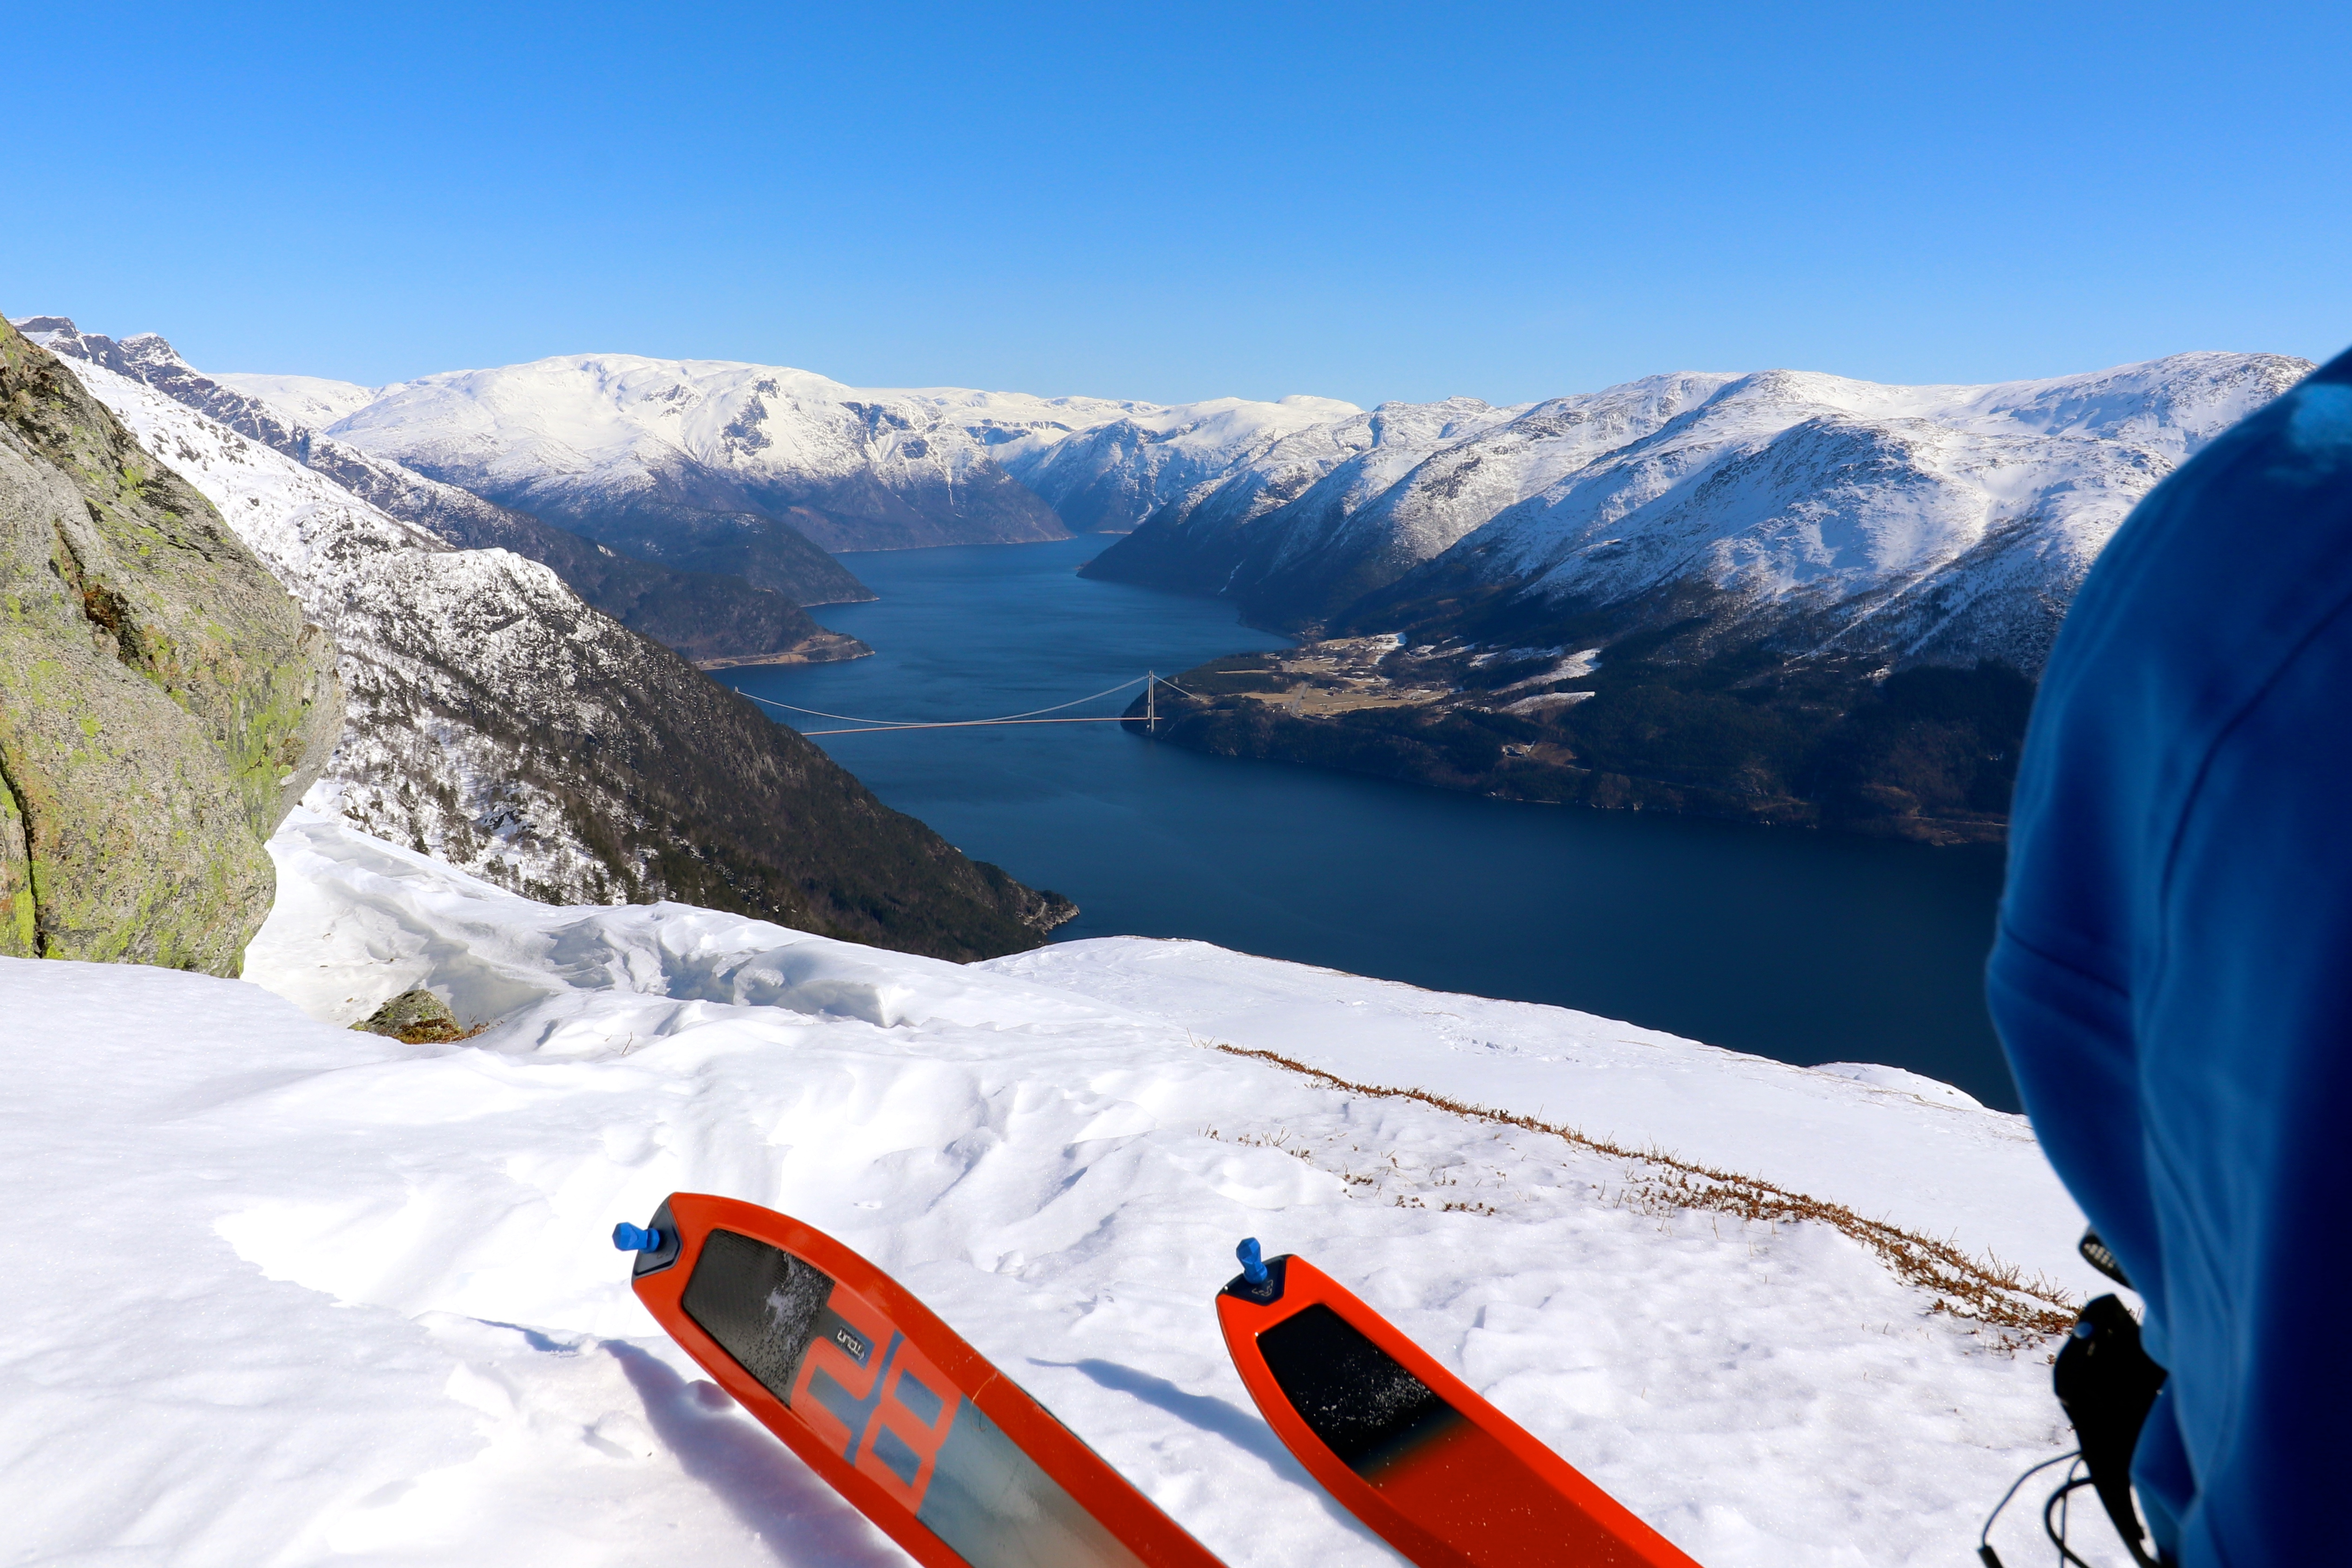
(949, 1457)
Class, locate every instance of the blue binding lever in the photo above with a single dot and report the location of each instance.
(1253, 1264)
(629, 1238)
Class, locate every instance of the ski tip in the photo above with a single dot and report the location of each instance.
(627, 1238)
(1260, 1280)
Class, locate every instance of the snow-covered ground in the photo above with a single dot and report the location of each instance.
(283, 1293)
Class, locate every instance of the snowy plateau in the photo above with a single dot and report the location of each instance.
(287, 1293)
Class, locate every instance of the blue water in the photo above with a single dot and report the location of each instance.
(1806, 947)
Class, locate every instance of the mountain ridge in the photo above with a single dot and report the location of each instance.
(673, 459)
(1599, 499)
(673, 438)
(1750, 559)
(1784, 598)
(706, 617)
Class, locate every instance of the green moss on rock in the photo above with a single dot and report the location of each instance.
(162, 702)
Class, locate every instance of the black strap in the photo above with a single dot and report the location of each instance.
(2107, 1384)
(2101, 1257)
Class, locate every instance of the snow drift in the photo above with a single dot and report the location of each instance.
(296, 1294)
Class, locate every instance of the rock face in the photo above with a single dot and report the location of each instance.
(500, 724)
(163, 702)
(707, 616)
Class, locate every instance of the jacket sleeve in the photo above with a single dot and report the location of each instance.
(2244, 1069)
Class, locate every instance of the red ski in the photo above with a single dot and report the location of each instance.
(940, 1449)
(1407, 1447)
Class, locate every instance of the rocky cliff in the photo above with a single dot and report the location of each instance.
(162, 701)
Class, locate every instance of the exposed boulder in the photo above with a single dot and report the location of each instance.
(416, 1016)
(163, 703)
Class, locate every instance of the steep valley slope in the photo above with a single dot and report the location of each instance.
(501, 724)
(709, 618)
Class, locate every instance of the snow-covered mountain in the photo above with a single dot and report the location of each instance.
(701, 463)
(703, 615)
(1939, 524)
(499, 723)
(1936, 524)
(670, 458)
(1109, 477)
(1336, 511)
(1921, 524)
(305, 1296)
(313, 401)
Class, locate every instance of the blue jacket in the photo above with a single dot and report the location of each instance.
(2173, 974)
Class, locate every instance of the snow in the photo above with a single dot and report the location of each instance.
(612, 429)
(1935, 523)
(1931, 524)
(311, 401)
(1904, 1079)
(1544, 701)
(286, 1293)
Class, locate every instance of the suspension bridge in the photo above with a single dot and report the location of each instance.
(1150, 680)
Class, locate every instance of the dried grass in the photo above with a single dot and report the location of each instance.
(1977, 1287)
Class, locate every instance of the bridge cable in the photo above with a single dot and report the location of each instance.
(942, 724)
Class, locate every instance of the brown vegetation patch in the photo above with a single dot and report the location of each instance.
(1982, 1288)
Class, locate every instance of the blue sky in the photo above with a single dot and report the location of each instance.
(1364, 201)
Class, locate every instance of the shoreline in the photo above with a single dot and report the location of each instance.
(831, 648)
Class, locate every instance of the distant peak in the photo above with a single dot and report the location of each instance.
(151, 346)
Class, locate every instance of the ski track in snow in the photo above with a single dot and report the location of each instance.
(286, 1293)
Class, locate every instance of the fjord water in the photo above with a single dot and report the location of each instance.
(1805, 947)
